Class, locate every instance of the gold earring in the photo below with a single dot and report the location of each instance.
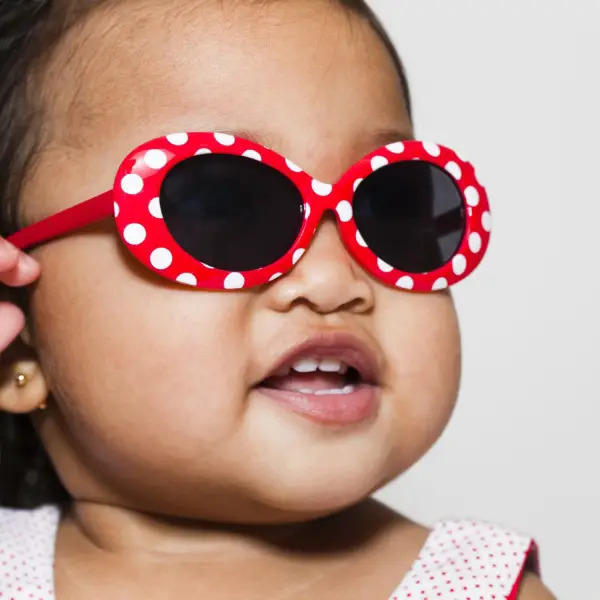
(21, 379)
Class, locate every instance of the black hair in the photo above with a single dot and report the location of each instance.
(29, 32)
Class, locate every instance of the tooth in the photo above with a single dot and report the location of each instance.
(330, 365)
(306, 365)
(326, 392)
(306, 392)
(349, 389)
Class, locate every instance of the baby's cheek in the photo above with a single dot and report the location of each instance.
(422, 343)
(143, 372)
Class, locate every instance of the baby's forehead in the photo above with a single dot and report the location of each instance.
(162, 66)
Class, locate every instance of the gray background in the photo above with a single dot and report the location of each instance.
(512, 85)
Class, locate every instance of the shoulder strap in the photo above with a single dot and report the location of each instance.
(27, 540)
(469, 560)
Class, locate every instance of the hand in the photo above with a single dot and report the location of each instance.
(16, 269)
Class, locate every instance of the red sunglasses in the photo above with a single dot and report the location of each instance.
(214, 211)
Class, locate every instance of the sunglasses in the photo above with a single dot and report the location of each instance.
(215, 211)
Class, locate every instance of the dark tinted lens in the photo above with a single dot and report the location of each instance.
(411, 215)
(231, 212)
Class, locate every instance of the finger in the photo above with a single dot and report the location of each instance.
(16, 267)
(12, 322)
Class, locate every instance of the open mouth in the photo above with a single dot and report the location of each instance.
(327, 386)
(316, 376)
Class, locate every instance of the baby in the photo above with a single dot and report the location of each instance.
(233, 324)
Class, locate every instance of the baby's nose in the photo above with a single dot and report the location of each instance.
(327, 277)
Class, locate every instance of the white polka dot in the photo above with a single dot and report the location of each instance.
(276, 276)
(486, 221)
(298, 255)
(178, 139)
(383, 266)
(155, 159)
(431, 148)
(154, 208)
(134, 234)
(188, 279)
(292, 166)
(116, 208)
(252, 154)
(207, 266)
(396, 148)
(203, 151)
(360, 240)
(132, 184)
(320, 188)
(161, 259)
(225, 139)
(344, 210)
(475, 242)
(454, 170)
(379, 161)
(459, 264)
(357, 183)
(234, 281)
(440, 284)
(406, 283)
(306, 211)
(472, 196)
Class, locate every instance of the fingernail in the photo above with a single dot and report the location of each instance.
(28, 261)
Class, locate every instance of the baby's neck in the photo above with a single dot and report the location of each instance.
(120, 531)
(156, 558)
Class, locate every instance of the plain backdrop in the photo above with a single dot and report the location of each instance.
(513, 86)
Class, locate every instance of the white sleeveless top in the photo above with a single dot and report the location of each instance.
(461, 559)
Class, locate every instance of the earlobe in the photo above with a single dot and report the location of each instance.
(23, 388)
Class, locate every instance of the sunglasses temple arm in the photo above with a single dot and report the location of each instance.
(78, 216)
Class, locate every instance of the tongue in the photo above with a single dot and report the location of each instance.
(294, 382)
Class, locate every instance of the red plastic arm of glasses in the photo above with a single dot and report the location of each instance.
(76, 217)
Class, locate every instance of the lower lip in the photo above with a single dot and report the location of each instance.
(348, 409)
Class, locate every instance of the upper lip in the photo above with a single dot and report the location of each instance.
(343, 346)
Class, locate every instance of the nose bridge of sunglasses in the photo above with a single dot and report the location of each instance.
(324, 197)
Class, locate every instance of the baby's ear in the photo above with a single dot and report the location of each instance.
(23, 386)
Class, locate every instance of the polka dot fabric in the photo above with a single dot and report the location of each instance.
(27, 540)
(467, 560)
(461, 560)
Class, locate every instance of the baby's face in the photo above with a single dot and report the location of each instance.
(154, 398)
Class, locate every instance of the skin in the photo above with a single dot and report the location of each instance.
(152, 425)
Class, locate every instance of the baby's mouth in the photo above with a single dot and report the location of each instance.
(319, 377)
(326, 390)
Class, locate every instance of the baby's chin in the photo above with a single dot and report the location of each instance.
(294, 496)
(299, 497)
(291, 510)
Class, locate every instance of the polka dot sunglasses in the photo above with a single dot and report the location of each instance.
(215, 211)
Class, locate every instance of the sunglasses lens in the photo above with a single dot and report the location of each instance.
(411, 215)
(231, 212)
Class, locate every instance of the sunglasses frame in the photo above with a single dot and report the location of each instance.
(135, 205)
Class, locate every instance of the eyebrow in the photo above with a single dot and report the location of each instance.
(368, 139)
(382, 137)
